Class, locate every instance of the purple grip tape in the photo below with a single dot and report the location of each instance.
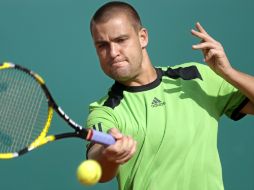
(102, 138)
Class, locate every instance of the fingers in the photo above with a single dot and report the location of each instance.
(204, 37)
(123, 150)
(202, 34)
(127, 149)
(200, 28)
(210, 47)
(115, 133)
(210, 54)
(205, 45)
(213, 51)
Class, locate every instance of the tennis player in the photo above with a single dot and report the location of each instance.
(164, 119)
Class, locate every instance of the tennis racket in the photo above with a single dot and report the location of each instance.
(26, 111)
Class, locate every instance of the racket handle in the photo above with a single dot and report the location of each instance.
(102, 138)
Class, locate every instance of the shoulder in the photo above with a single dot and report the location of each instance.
(204, 70)
(200, 74)
(111, 100)
(199, 66)
(186, 71)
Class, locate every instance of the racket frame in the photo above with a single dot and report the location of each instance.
(79, 131)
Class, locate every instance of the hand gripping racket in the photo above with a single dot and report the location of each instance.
(26, 111)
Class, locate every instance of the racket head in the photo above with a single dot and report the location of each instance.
(25, 111)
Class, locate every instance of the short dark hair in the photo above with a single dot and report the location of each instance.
(110, 9)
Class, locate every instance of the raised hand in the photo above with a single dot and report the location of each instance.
(214, 54)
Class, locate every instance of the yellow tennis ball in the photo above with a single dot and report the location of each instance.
(89, 172)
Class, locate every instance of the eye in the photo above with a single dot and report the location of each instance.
(101, 45)
(121, 40)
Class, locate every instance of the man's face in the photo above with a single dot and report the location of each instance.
(119, 48)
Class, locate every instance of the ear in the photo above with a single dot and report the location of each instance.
(143, 37)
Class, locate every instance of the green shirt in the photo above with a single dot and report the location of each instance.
(175, 123)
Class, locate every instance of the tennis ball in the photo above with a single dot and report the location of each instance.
(89, 172)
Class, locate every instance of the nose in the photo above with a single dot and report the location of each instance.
(114, 50)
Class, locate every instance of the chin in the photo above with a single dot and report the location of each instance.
(121, 73)
(121, 77)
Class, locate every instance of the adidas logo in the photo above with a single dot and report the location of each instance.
(156, 102)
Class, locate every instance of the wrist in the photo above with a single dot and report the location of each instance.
(229, 73)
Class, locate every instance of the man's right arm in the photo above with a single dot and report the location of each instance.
(111, 157)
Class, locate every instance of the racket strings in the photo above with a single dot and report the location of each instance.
(23, 110)
(28, 122)
(11, 101)
(31, 120)
(17, 103)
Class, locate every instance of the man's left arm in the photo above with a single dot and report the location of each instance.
(215, 57)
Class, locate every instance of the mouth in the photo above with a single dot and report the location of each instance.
(119, 63)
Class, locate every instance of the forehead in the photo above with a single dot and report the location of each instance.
(113, 27)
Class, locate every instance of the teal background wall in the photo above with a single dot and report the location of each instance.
(52, 38)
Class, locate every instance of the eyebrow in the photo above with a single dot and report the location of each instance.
(124, 36)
